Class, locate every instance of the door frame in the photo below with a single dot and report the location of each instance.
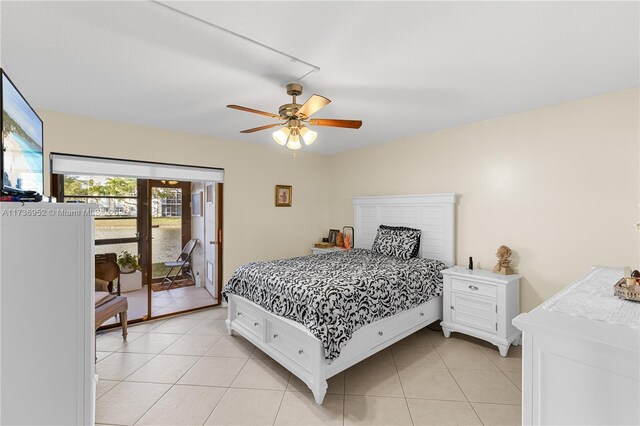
(185, 224)
(186, 236)
(144, 228)
(219, 224)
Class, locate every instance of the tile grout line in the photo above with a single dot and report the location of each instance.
(173, 385)
(406, 403)
(460, 387)
(216, 406)
(154, 404)
(133, 372)
(176, 384)
(284, 393)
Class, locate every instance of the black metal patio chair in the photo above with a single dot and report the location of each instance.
(183, 263)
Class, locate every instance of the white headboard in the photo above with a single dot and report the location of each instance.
(433, 214)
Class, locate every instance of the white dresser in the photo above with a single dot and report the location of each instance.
(46, 314)
(481, 304)
(581, 356)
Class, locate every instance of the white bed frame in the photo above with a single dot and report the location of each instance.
(293, 346)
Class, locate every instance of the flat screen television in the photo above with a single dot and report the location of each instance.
(21, 162)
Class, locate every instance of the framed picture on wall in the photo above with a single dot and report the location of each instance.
(196, 204)
(283, 195)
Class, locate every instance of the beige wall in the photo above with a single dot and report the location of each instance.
(559, 185)
(254, 228)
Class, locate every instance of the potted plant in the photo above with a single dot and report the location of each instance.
(128, 262)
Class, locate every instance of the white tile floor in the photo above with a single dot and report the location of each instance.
(188, 371)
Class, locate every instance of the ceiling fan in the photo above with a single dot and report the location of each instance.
(296, 119)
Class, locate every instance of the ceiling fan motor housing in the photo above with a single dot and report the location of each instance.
(288, 110)
(294, 115)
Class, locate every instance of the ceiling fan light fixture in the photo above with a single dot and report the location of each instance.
(292, 131)
(308, 136)
(281, 135)
(294, 142)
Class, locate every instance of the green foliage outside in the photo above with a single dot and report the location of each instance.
(113, 186)
(159, 270)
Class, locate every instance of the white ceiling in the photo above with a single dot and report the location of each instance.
(402, 68)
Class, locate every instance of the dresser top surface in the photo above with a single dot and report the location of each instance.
(587, 309)
(480, 274)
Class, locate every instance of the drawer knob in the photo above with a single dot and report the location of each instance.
(256, 324)
(275, 336)
(239, 313)
(452, 307)
(380, 333)
(421, 314)
(473, 287)
(300, 351)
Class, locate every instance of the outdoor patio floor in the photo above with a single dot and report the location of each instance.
(166, 301)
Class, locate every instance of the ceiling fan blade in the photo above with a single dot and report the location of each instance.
(349, 124)
(255, 111)
(314, 104)
(257, 129)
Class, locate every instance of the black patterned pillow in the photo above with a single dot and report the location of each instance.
(412, 231)
(397, 241)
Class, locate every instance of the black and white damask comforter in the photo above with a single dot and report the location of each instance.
(335, 294)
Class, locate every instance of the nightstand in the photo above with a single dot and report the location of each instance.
(316, 250)
(481, 304)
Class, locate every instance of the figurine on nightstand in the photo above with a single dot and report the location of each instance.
(503, 266)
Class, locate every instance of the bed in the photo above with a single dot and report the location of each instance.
(319, 315)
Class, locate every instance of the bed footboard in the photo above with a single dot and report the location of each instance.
(295, 348)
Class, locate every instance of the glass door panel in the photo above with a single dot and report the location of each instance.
(174, 223)
(116, 231)
(166, 228)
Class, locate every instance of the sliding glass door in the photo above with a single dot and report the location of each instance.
(116, 231)
(172, 229)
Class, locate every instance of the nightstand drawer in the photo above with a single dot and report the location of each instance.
(477, 312)
(471, 287)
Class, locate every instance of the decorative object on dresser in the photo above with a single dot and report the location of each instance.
(340, 240)
(627, 291)
(470, 263)
(284, 194)
(481, 304)
(323, 245)
(333, 234)
(504, 263)
(348, 232)
(581, 355)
